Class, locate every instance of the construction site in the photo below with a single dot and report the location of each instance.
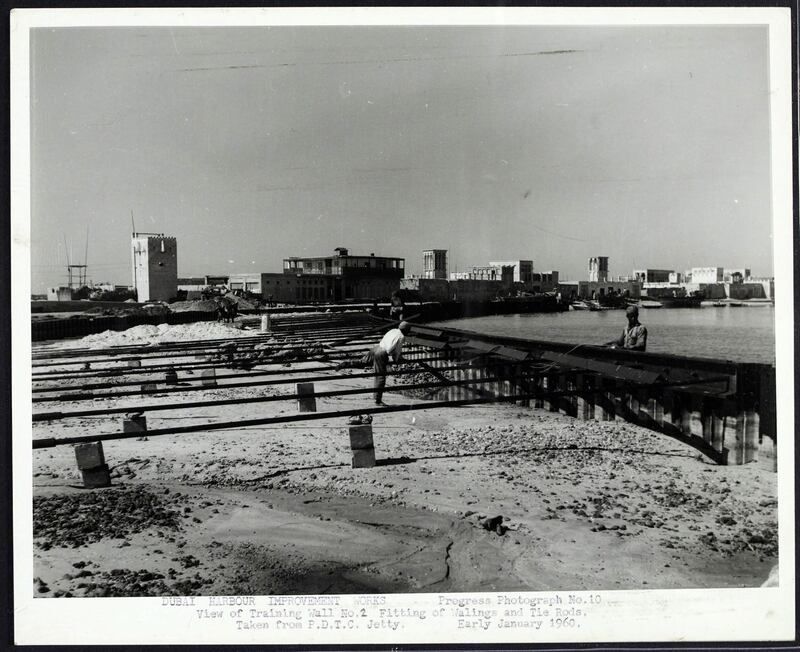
(249, 458)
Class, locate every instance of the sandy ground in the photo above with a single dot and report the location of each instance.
(279, 509)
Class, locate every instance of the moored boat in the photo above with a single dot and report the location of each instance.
(693, 300)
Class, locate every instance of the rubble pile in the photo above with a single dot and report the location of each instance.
(419, 375)
(81, 518)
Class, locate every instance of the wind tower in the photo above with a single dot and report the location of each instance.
(434, 263)
(598, 269)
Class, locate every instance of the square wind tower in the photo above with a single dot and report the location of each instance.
(598, 269)
(434, 263)
(155, 266)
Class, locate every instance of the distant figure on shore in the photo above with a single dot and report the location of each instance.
(220, 308)
(390, 346)
(634, 335)
(396, 307)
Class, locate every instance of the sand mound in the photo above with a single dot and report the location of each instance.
(241, 302)
(149, 334)
(184, 306)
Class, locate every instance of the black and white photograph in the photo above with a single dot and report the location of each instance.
(402, 326)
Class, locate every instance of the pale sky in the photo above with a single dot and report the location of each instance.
(649, 145)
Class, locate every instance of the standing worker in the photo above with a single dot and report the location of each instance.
(634, 335)
(390, 345)
(396, 307)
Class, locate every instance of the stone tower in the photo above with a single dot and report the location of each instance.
(155, 266)
(598, 269)
(434, 263)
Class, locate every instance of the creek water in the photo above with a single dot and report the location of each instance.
(741, 334)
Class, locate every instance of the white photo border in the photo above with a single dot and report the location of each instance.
(758, 614)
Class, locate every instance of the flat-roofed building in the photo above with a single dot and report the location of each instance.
(351, 277)
(502, 273)
(59, 294)
(735, 275)
(652, 275)
(544, 281)
(523, 269)
(707, 274)
(598, 290)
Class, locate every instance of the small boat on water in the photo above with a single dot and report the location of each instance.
(713, 304)
(650, 305)
(734, 304)
(618, 301)
(692, 300)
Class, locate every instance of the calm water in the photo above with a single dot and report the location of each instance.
(744, 334)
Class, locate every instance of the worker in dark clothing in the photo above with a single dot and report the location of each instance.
(396, 307)
(634, 335)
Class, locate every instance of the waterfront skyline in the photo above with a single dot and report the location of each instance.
(649, 145)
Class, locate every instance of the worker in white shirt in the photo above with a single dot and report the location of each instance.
(390, 346)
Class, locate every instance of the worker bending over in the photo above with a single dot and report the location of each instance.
(390, 346)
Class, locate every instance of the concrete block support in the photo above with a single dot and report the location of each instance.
(208, 378)
(735, 442)
(306, 402)
(90, 456)
(585, 402)
(134, 423)
(768, 455)
(719, 415)
(96, 478)
(696, 417)
(148, 387)
(134, 364)
(751, 427)
(171, 376)
(550, 403)
(92, 465)
(608, 410)
(539, 386)
(362, 446)
(363, 458)
(361, 437)
(266, 323)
